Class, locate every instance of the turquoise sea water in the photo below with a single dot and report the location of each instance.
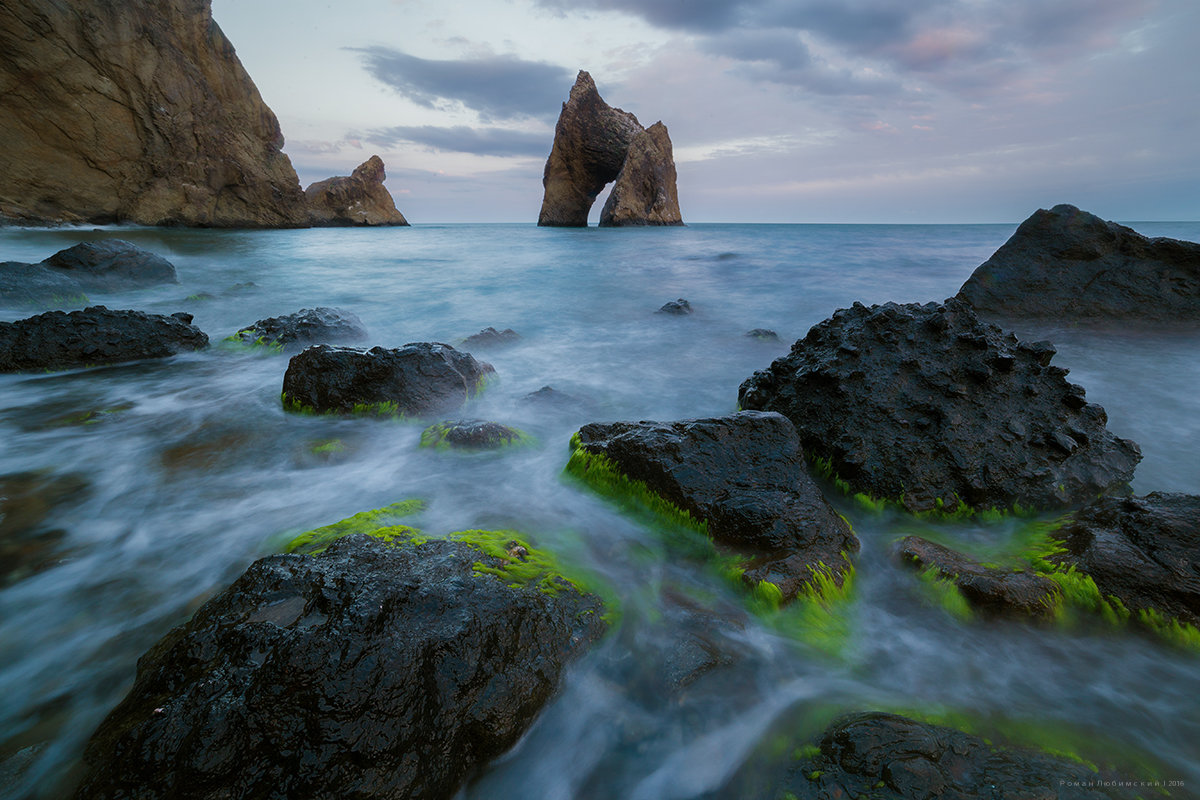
(196, 471)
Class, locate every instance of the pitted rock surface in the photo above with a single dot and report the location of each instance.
(744, 475)
(1065, 264)
(1143, 550)
(307, 326)
(370, 671)
(927, 403)
(93, 336)
(420, 378)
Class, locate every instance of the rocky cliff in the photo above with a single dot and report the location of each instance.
(593, 143)
(136, 112)
(359, 199)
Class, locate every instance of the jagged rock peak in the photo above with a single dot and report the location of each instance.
(592, 142)
(360, 199)
(137, 112)
(644, 193)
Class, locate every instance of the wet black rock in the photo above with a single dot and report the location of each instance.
(929, 405)
(678, 307)
(1145, 551)
(549, 396)
(490, 337)
(763, 335)
(93, 336)
(1065, 264)
(370, 671)
(472, 435)
(879, 755)
(307, 326)
(419, 378)
(742, 475)
(32, 285)
(112, 264)
(991, 590)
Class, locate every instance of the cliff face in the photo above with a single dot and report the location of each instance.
(644, 192)
(359, 199)
(135, 111)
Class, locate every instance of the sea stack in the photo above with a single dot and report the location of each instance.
(595, 144)
(135, 112)
(359, 199)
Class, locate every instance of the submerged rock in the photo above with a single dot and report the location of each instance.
(490, 337)
(375, 670)
(136, 112)
(93, 336)
(419, 378)
(932, 407)
(28, 539)
(307, 326)
(472, 435)
(741, 478)
(763, 335)
(1144, 551)
(678, 307)
(644, 192)
(360, 199)
(66, 276)
(992, 590)
(595, 144)
(35, 286)
(873, 754)
(1065, 264)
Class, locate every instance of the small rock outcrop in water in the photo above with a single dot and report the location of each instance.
(928, 404)
(992, 590)
(136, 112)
(472, 435)
(1144, 551)
(95, 335)
(419, 378)
(592, 144)
(741, 476)
(678, 307)
(644, 192)
(877, 755)
(490, 337)
(360, 199)
(307, 326)
(374, 670)
(1068, 265)
(107, 265)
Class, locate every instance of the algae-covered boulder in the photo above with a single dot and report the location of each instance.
(1143, 551)
(373, 670)
(1068, 265)
(878, 755)
(741, 478)
(472, 435)
(989, 589)
(95, 335)
(929, 405)
(419, 378)
(307, 326)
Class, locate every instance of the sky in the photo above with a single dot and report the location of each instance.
(937, 111)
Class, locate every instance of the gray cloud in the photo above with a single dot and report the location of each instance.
(464, 139)
(496, 87)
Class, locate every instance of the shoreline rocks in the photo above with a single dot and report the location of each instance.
(375, 670)
(318, 325)
(94, 336)
(928, 406)
(419, 378)
(1066, 265)
(472, 435)
(105, 265)
(357, 200)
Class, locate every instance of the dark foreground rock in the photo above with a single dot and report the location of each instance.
(419, 378)
(472, 435)
(107, 265)
(307, 326)
(490, 337)
(374, 670)
(595, 144)
(1145, 551)
(928, 405)
(1067, 265)
(877, 755)
(355, 200)
(991, 590)
(741, 476)
(93, 336)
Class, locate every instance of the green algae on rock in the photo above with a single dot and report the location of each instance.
(473, 435)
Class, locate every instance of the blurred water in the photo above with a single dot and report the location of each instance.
(196, 471)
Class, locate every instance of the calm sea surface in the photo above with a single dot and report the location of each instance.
(194, 471)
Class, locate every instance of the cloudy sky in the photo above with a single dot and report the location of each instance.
(779, 110)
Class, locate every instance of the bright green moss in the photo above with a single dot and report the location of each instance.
(768, 594)
(942, 590)
(327, 447)
(379, 522)
(435, 436)
(805, 752)
(819, 616)
(386, 409)
(239, 341)
(521, 564)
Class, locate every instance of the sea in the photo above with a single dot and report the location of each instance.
(136, 492)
